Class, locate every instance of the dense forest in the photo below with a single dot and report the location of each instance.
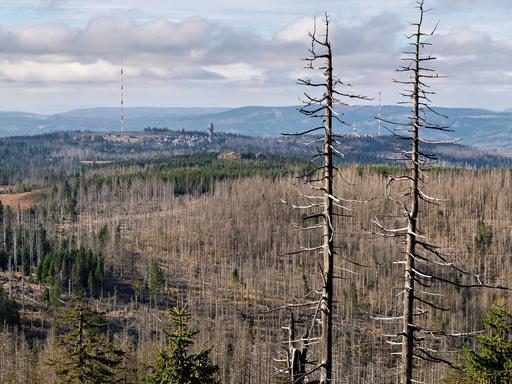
(31, 161)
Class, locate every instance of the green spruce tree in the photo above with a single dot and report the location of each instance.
(492, 362)
(8, 310)
(176, 364)
(155, 281)
(86, 356)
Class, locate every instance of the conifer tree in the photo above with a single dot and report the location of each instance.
(86, 356)
(492, 364)
(8, 310)
(155, 280)
(3, 259)
(176, 364)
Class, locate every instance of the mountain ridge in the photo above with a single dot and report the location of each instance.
(476, 126)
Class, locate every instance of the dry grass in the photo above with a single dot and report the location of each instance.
(25, 199)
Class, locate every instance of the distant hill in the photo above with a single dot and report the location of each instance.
(138, 112)
(476, 127)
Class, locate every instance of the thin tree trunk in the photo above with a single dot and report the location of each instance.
(328, 235)
(408, 327)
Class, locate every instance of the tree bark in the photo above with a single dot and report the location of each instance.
(408, 326)
(328, 235)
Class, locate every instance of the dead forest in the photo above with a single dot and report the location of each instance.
(226, 253)
(270, 261)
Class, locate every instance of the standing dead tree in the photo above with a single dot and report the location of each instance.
(425, 266)
(296, 354)
(322, 206)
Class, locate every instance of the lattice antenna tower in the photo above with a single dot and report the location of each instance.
(380, 107)
(122, 99)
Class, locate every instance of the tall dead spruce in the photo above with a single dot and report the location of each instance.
(322, 205)
(426, 267)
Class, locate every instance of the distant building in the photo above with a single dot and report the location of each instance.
(231, 155)
(210, 132)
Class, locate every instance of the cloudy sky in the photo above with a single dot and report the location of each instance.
(57, 55)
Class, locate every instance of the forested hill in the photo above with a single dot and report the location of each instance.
(476, 127)
(29, 161)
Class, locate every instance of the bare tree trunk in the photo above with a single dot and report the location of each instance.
(328, 233)
(323, 204)
(408, 327)
(297, 356)
(421, 257)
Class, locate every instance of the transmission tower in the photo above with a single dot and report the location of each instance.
(380, 106)
(122, 98)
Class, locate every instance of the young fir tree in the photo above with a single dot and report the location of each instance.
(8, 310)
(492, 364)
(86, 356)
(155, 281)
(176, 364)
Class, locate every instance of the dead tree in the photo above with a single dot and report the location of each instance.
(296, 354)
(322, 205)
(423, 262)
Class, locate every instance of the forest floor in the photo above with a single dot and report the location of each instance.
(36, 314)
(122, 218)
(32, 306)
(25, 199)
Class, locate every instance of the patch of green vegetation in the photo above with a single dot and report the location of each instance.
(198, 173)
(380, 169)
(81, 268)
(8, 310)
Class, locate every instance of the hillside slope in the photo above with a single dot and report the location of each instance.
(476, 127)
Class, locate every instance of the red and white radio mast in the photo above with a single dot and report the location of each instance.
(380, 107)
(122, 98)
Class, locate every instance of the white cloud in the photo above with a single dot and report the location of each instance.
(72, 72)
(461, 41)
(203, 52)
(109, 35)
(237, 71)
(296, 32)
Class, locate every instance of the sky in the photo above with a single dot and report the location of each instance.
(57, 55)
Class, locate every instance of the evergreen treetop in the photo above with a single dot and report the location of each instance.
(176, 364)
(86, 356)
(492, 363)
